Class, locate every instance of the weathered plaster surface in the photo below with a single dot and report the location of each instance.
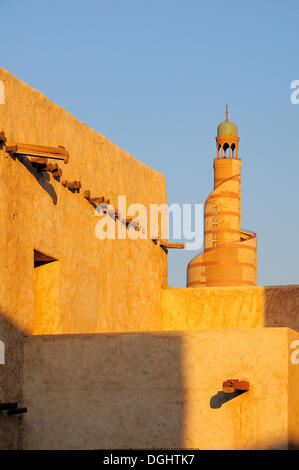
(103, 285)
(121, 390)
(158, 390)
(230, 307)
(11, 384)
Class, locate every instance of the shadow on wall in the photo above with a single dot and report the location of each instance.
(282, 446)
(103, 391)
(129, 391)
(11, 379)
(220, 398)
(281, 306)
(41, 177)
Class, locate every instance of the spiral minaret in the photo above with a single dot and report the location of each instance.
(229, 257)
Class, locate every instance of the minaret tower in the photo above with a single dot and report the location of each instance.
(229, 257)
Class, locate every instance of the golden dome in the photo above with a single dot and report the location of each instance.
(227, 127)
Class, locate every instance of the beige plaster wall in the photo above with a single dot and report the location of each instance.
(293, 365)
(230, 307)
(11, 382)
(103, 285)
(158, 390)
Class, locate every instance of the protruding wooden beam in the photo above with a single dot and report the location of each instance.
(17, 411)
(57, 173)
(99, 200)
(71, 184)
(229, 386)
(31, 150)
(2, 138)
(95, 200)
(39, 162)
(8, 406)
(166, 244)
(54, 169)
(51, 167)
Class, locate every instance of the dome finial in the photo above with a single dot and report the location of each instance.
(226, 112)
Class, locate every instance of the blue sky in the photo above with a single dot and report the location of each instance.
(155, 76)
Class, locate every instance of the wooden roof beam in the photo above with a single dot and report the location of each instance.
(95, 200)
(74, 185)
(167, 244)
(229, 386)
(31, 150)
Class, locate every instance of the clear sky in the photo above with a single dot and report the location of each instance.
(154, 77)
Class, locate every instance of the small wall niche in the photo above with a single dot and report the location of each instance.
(41, 258)
(46, 294)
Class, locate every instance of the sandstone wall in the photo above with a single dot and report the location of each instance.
(159, 390)
(11, 385)
(230, 307)
(99, 285)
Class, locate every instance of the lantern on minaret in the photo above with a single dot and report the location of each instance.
(227, 139)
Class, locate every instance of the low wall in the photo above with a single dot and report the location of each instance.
(230, 307)
(159, 390)
(11, 378)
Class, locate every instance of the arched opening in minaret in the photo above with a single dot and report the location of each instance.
(225, 147)
(233, 147)
(218, 151)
